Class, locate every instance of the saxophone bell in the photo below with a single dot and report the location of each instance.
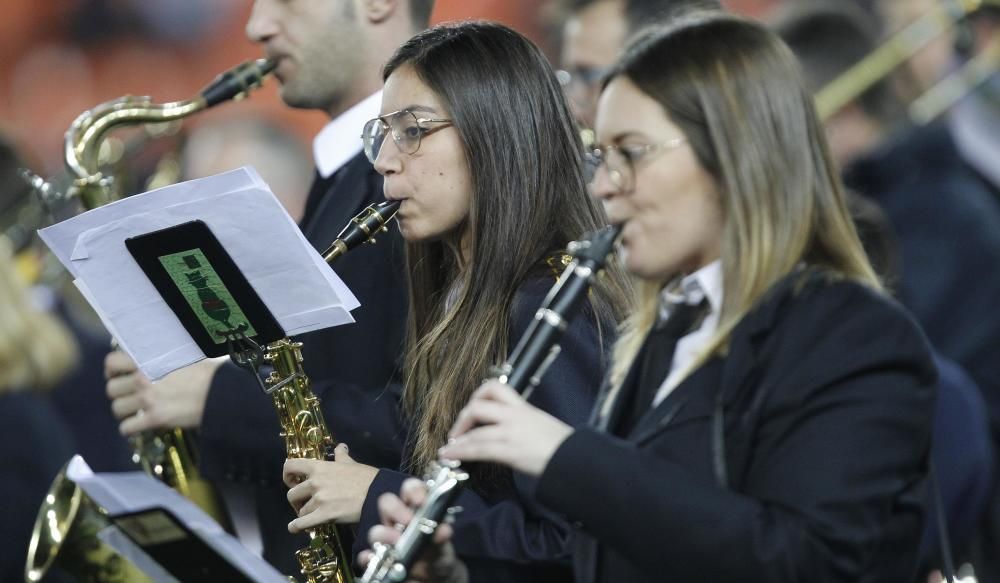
(65, 538)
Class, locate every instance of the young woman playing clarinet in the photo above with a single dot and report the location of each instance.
(768, 412)
(477, 142)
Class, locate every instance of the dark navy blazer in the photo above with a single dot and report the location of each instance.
(947, 222)
(826, 396)
(506, 535)
(34, 445)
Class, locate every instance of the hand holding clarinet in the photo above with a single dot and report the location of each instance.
(497, 425)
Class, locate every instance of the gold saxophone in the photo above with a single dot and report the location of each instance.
(302, 425)
(64, 532)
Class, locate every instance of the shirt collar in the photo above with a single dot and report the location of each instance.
(340, 140)
(693, 288)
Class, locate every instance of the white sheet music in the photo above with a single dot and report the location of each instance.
(291, 278)
(128, 492)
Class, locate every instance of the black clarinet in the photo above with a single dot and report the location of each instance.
(523, 370)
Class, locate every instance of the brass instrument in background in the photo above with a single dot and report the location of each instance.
(950, 90)
(166, 455)
(902, 46)
(86, 134)
(65, 535)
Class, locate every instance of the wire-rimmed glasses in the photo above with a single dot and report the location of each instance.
(405, 127)
(620, 161)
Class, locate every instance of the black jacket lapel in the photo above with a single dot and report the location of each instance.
(347, 193)
(613, 419)
(690, 399)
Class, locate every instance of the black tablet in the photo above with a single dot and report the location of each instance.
(204, 288)
(175, 548)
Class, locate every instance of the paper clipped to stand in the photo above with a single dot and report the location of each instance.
(288, 274)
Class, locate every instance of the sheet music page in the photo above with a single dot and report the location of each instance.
(291, 277)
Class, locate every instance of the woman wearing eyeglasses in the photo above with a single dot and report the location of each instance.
(768, 412)
(478, 145)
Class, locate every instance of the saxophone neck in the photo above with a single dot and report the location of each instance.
(85, 136)
(285, 356)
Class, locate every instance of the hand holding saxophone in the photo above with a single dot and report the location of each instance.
(322, 491)
(176, 400)
(498, 425)
(438, 562)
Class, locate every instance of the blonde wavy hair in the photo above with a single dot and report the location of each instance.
(735, 90)
(36, 351)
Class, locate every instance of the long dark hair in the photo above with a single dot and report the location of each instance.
(528, 200)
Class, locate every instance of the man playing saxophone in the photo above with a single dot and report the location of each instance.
(316, 47)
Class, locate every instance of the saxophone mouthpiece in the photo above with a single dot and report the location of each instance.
(362, 229)
(238, 81)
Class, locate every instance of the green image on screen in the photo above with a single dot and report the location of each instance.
(204, 291)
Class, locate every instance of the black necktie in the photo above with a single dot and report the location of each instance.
(658, 355)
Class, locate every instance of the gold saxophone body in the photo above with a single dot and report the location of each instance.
(302, 424)
(306, 436)
(67, 522)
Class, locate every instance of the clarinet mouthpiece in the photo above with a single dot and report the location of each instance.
(362, 229)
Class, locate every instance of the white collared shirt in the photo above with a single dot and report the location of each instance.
(340, 140)
(692, 289)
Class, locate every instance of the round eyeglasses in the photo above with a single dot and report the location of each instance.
(405, 127)
(620, 161)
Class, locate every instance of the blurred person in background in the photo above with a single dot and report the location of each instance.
(975, 120)
(946, 221)
(593, 35)
(277, 155)
(329, 57)
(79, 397)
(947, 225)
(36, 353)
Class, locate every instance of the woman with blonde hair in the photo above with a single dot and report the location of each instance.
(768, 413)
(36, 352)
